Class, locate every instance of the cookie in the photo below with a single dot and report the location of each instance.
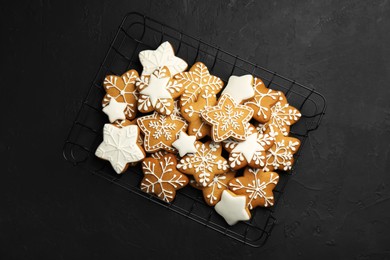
(240, 88)
(262, 101)
(257, 186)
(283, 116)
(205, 163)
(157, 92)
(228, 119)
(161, 177)
(192, 113)
(197, 81)
(281, 155)
(120, 146)
(185, 144)
(164, 55)
(213, 191)
(124, 123)
(233, 207)
(123, 90)
(160, 131)
(115, 110)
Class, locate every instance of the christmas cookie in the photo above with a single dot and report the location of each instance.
(228, 119)
(262, 101)
(124, 123)
(122, 89)
(164, 55)
(185, 144)
(233, 207)
(160, 131)
(115, 110)
(283, 116)
(240, 88)
(213, 191)
(197, 81)
(157, 92)
(281, 155)
(120, 146)
(257, 186)
(205, 163)
(161, 177)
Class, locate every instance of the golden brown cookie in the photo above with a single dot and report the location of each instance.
(205, 163)
(262, 101)
(281, 155)
(213, 191)
(158, 91)
(257, 186)
(196, 81)
(162, 178)
(228, 119)
(160, 131)
(122, 89)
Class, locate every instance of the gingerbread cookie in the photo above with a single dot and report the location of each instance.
(120, 146)
(115, 110)
(160, 131)
(205, 163)
(240, 88)
(161, 177)
(281, 155)
(164, 55)
(122, 89)
(233, 207)
(262, 101)
(185, 144)
(257, 186)
(228, 119)
(157, 92)
(213, 191)
(124, 123)
(197, 81)
(283, 116)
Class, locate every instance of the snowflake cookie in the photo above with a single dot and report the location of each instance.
(158, 91)
(192, 113)
(160, 131)
(205, 163)
(283, 116)
(281, 155)
(164, 55)
(197, 81)
(120, 146)
(257, 186)
(161, 177)
(228, 119)
(123, 90)
(233, 207)
(263, 100)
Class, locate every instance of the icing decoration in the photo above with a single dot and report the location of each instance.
(213, 191)
(185, 144)
(196, 81)
(263, 100)
(283, 116)
(122, 89)
(161, 177)
(257, 186)
(157, 92)
(227, 119)
(176, 110)
(164, 55)
(159, 155)
(232, 208)
(115, 110)
(240, 88)
(160, 131)
(280, 155)
(120, 146)
(205, 163)
(124, 123)
(192, 113)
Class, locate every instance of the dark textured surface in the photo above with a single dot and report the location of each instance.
(337, 206)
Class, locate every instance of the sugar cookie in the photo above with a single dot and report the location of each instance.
(240, 88)
(232, 208)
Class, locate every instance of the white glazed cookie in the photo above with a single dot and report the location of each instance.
(232, 208)
(185, 144)
(240, 88)
(115, 110)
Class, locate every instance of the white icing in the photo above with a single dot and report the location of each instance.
(232, 208)
(115, 110)
(240, 88)
(156, 89)
(162, 56)
(119, 146)
(185, 144)
(248, 147)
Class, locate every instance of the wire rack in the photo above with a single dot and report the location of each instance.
(138, 32)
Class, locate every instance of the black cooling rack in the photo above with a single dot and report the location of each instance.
(138, 32)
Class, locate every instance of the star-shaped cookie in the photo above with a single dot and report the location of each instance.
(232, 208)
(228, 119)
(240, 88)
(164, 55)
(185, 144)
(115, 110)
(160, 131)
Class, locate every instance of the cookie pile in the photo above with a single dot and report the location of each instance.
(225, 141)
